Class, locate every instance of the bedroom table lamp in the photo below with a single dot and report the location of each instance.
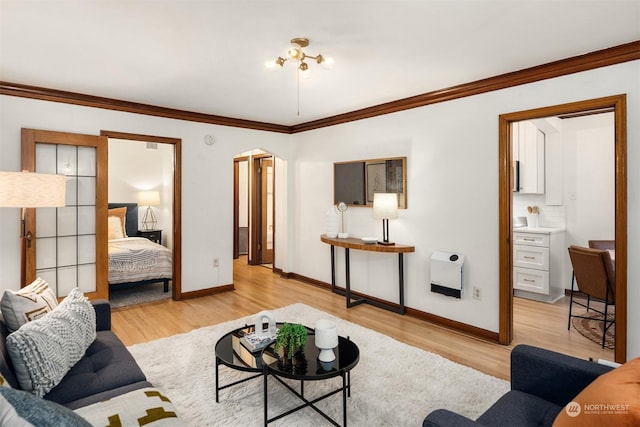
(149, 198)
(31, 190)
(385, 207)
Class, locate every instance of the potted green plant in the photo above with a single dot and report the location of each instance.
(290, 338)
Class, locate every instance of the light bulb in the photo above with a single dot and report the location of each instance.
(327, 62)
(295, 52)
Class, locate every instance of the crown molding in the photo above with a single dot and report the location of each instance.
(54, 95)
(601, 58)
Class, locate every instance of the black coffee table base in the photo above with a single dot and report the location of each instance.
(345, 389)
(219, 387)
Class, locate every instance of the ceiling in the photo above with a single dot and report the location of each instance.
(208, 56)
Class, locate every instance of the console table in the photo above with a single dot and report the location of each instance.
(358, 244)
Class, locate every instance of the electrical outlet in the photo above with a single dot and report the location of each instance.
(216, 262)
(477, 294)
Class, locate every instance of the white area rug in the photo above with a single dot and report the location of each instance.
(394, 384)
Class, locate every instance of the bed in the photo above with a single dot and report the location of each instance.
(134, 260)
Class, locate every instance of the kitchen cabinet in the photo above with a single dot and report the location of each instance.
(538, 263)
(528, 149)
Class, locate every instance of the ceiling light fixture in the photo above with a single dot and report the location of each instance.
(296, 54)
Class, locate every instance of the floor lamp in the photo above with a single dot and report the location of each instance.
(149, 198)
(31, 190)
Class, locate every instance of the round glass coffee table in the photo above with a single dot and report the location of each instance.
(305, 366)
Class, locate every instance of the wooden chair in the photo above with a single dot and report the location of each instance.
(595, 276)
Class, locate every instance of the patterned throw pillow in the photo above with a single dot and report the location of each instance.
(27, 304)
(43, 351)
(4, 383)
(143, 407)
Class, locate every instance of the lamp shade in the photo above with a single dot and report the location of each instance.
(149, 198)
(385, 205)
(32, 190)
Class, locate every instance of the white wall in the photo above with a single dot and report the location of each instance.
(590, 178)
(452, 151)
(207, 179)
(452, 154)
(133, 168)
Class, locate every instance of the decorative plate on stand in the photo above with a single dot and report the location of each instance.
(342, 208)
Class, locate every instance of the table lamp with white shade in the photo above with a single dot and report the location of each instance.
(149, 198)
(385, 207)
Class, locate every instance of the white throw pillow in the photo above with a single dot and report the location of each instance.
(43, 351)
(27, 304)
(115, 228)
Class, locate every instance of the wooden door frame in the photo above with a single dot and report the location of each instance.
(176, 287)
(236, 203)
(618, 103)
(29, 139)
(255, 257)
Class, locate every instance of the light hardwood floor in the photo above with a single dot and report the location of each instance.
(257, 288)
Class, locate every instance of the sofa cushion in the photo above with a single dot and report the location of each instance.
(32, 410)
(106, 365)
(105, 395)
(43, 351)
(612, 399)
(520, 409)
(148, 407)
(6, 367)
(29, 303)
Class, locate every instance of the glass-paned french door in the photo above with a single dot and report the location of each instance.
(66, 237)
(68, 249)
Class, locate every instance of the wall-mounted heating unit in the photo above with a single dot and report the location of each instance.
(446, 273)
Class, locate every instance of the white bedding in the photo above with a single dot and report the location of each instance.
(134, 259)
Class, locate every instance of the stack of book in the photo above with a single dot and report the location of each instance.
(247, 347)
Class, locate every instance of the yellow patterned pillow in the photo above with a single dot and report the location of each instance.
(146, 406)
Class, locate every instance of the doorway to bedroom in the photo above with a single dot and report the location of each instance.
(143, 179)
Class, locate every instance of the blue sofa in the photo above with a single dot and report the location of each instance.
(543, 382)
(106, 370)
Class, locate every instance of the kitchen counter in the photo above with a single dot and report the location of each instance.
(543, 230)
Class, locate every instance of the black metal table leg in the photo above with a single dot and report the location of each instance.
(333, 268)
(266, 377)
(347, 276)
(344, 400)
(217, 383)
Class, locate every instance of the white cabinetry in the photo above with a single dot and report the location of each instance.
(537, 263)
(528, 150)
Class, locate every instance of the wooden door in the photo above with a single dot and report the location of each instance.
(69, 248)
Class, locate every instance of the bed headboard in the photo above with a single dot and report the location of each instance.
(131, 222)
